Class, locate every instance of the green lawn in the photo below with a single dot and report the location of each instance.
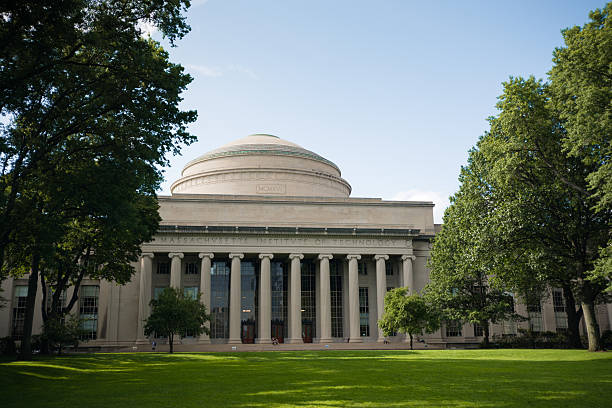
(454, 378)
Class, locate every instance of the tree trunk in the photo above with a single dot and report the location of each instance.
(573, 318)
(171, 341)
(410, 334)
(485, 330)
(588, 308)
(26, 343)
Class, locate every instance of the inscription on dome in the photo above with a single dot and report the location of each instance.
(271, 188)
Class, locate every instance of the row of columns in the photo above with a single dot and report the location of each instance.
(265, 302)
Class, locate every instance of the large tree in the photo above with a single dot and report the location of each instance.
(174, 313)
(84, 96)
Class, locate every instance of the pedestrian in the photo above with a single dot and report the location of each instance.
(153, 345)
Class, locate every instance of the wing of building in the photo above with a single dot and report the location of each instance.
(268, 232)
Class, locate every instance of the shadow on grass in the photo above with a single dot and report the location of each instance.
(328, 378)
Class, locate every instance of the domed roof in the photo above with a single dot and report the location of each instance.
(261, 144)
(262, 164)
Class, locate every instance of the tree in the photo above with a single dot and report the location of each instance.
(581, 88)
(84, 96)
(60, 332)
(407, 314)
(174, 313)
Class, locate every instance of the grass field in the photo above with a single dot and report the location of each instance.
(453, 378)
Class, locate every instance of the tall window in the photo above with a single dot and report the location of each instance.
(19, 309)
(191, 292)
(335, 284)
(362, 268)
(60, 305)
(191, 268)
(157, 291)
(163, 268)
(453, 328)
(88, 311)
(388, 269)
(248, 301)
(478, 330)
(219, 300)
(309, 309)
(560, 313)
(278, 278)
(534, 312)
(364, 312)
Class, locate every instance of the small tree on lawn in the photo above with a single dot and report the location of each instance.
(60, 332)
(407, 314)
(174, 313)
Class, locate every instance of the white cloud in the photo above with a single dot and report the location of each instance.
(204, 70)
(438, 199)
(243, 70)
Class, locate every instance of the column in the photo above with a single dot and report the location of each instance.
(265, 300)
(325, 298)
(408, 276)
(235, 300)
(381, 289)
(175, 269)
(295, 300)
(146, 270)
(205, 289)
(354, 336)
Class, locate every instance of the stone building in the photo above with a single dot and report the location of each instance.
(268, 232)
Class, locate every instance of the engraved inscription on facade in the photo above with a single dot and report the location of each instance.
(271, 188)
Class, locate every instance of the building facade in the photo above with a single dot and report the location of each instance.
(268, 233)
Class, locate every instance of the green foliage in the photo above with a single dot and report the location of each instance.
(407, 314)
(7, 346)
(173, 314)
(90, 110)
(59, 332)
(529, 339)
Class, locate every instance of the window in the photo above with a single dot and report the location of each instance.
(191, 268)
(534, 312)
(453, 328)
(388, 269)
(88, 311)
(190, 291)
(279, 280)
(157, 292)
(364, 312)
(61, 304)
(478, 330)
(163, 268)
(309, 309)
(337, 312)
(19, 309)
(362, 268)
(219, 300)
(560, 314)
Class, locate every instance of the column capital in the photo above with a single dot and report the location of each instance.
(353, 256)
(147, 255)
(385, 257)
(293, 256)
(406, 257)
(239, 256)
(269, 256)
(175, 254)
(206, 255)
(324, 256)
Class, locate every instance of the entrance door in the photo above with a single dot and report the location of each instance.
(307, 332)
(248, 333)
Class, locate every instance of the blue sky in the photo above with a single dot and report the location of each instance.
(394, 92)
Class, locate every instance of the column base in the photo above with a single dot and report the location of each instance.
(380, 340)
(327, 340)
(263, 341)
(356, 340)
(234, 341)
(204, 340)
(141, 342)
(294, 341)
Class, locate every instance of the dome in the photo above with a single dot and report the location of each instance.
(262, 165)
